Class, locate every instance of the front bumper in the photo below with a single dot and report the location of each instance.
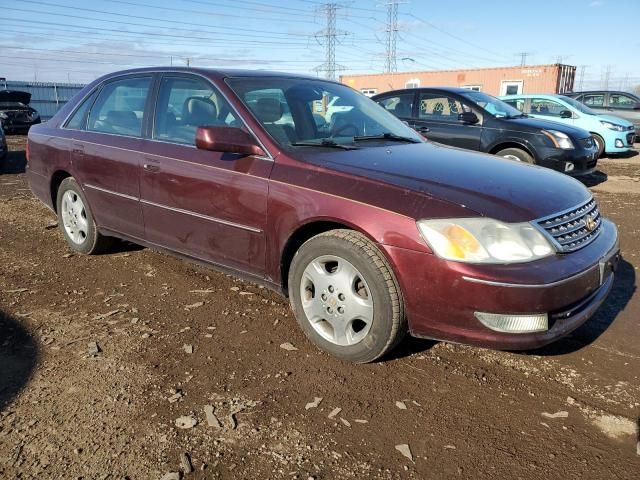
(442, 297)
(574, 162)
(619, 142)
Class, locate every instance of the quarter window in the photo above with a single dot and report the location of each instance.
(549, 108)
(78, 120)
(119, 108)
(617, 100)
(184, 104)
(593, 100)
(400, 105)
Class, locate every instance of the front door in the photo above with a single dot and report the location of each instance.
(208, 205)
(438, 119)
(106, 154)
(548, 109)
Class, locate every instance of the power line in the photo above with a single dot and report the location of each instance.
(523, 57)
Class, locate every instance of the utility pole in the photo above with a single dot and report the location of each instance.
(391, 55)
(607, 76)
(523, 58)
(188, 62)
(327, 37)
(581, 77)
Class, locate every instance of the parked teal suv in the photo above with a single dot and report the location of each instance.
(611, 134)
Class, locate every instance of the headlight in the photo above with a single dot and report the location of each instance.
(612, 126)
(483, 240)
(559, 139)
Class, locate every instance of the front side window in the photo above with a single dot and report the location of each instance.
(440, 107)
(400, 105)
(617, 100)
(492, 105)
(119, 108)
(78, 120)
(596, 100)
(298, 112)
(549, 108)
(184, 104)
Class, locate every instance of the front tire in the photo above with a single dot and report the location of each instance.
(599, 143)
(76, 221)
(516, 154)
(346, 297)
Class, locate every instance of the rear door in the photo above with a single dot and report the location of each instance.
(106, 154)
(437, 118)
(208, 205)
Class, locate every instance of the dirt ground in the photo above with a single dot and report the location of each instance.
(104, 359)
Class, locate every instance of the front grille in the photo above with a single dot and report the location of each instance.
(569, 229)
(630, 138)
(587, 142)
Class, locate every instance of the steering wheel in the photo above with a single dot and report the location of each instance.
(341, 129)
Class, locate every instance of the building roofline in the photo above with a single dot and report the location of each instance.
(417, 72)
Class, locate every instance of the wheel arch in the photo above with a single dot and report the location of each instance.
(303, 233)
(56, 179)
(512, 144)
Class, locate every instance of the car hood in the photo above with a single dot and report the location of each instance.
(14, 96)
(488, 185)
(540, 124)
(617, 120)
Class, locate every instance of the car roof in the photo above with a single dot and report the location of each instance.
(602, 91)
(457, 90)
(535, 95)
(214, 73)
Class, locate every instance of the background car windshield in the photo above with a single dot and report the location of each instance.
(581, 107)
(492, 105)
(296, 110)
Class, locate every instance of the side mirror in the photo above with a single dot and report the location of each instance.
(468, 117)
(227, 140)
(566, 114)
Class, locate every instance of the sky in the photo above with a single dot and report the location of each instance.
(77, 41)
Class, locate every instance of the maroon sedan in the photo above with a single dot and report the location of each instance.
(370, 230)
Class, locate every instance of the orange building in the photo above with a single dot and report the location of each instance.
(555, 78)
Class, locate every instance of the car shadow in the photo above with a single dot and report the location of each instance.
(624, 287)
(627, 154)
(409, 346)
(19, 356)
(593, 179)
(16, 162)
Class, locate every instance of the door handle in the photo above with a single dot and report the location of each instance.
(149, 167)
(78, 148)
(423, 129)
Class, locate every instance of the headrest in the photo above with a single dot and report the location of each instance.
(122, 117)
(268, 110)
(199, 111)
(402, 110)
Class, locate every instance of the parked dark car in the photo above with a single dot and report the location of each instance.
(477, 121)
(368, 229)
(621, 104)
(16, 116)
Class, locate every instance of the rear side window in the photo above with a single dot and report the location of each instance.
(400, 105)
(184, 104)
(78, 120)
(596, 100)
(119, 108)
(518, 103)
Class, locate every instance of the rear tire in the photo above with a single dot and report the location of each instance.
(599, 143)
(346, 297)
(76, 221)
(516, 154)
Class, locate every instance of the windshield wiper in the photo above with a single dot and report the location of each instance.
(325, 143)
(386, 136)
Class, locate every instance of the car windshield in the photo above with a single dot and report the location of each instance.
(301, 113)
(581, 107)
(492, 105)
